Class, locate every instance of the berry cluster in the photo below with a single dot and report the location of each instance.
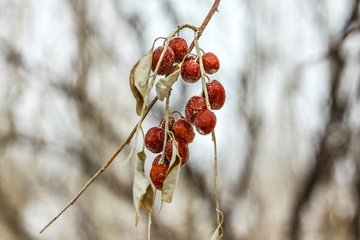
(198, 109)
(182, 132)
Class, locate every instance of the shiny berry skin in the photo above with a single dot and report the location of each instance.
(211, 63)
(217, 95)
(190, 71)
(205, 122)
(154, 139)
(158, 175)
(180, 48)
(182, 149)
(194, 105)
(167, 62)
(171, 123)
(182, 129)
(157, 160)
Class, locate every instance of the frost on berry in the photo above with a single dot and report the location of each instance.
(158, 175)
(205, 122)
(190, 71)
(211, 63)
(216, 93)
(180, 48)
(182, 149)
(182, 129)
(154, 139)
(157, 160)
(194, 105)
(167, 62)
(170, 123)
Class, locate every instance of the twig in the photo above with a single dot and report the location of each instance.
(128, 139)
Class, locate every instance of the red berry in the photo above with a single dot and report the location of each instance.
(182, 149)
(167, 62)
(182, 129)
(205, 122)
(190, 71)
(171, 123)
(195, 105)
(157, 160)
(211, 63)
(216, 94)
(180, 48)
(154, 139)
(158, 175)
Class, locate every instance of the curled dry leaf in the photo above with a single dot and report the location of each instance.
(171, 180)
(164, 84)
(143, 193)
(139, 78)
(217, 234)
(219, 230)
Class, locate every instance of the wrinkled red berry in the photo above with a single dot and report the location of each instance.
(182, 149)
(194, 105)
(217, 95)
(211, 63)
(158, 175)
(205, 122)
(182, 129)
(167, 62)
(170, 124)
(154, 139)
(157, 160)
(180, 48)
(190, 71)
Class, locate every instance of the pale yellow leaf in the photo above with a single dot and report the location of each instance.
(219, 230)
(217, 234)
(139, 78)
(164, 84)
(142, 190)
(171, 180)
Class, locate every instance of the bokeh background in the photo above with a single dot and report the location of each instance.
(288, 136)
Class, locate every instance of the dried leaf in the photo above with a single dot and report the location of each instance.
(219, 230)
(139, 78)
(164, 84)
(142, 190)
(217, 234)
(172, 175)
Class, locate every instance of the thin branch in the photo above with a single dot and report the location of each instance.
(128, 139)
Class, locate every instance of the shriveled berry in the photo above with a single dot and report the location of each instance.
(217, 95)
(157, 160)
(154, 139)
(182, 129)
(190, 71)
(167, 62)
(158, 175)
(211, 63)
(194, 105)
(180, 48)
(205, 122)
(182, 149)
(171, 123)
